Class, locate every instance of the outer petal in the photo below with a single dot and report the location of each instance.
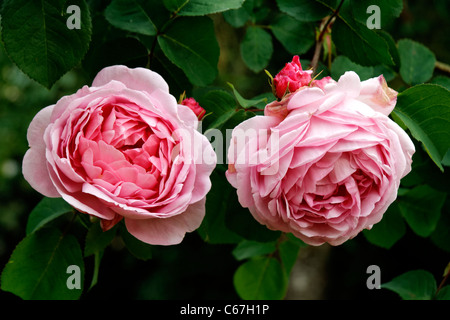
(34, 168)
(38, 125)
(248, 129)
(376, 93)
(349, 83)
(139, 79)
(169, 231)
(205, 164)
(187, 116)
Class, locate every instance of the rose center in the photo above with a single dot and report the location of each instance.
(118, 151)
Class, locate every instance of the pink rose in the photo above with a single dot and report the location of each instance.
(194, 106)
(291, 77)
(124, 148)
(328, 169)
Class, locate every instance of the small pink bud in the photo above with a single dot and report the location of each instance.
(291, 77)
(192, 104)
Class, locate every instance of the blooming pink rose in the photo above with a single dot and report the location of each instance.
(194, 106)
(124, 148)
(291, 77)
(328, 169)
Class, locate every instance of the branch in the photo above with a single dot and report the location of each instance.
(442, 66)
(319, 41)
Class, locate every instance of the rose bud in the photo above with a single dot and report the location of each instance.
(291, 78)
(192, 104)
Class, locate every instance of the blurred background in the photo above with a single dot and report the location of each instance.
(321, 273)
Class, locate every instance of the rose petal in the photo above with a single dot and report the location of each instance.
(139, 79)
(169, 231)
(34, 168)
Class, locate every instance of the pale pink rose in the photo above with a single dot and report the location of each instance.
(291, 77)
(327, 170)
(192, 104)
(124, 148)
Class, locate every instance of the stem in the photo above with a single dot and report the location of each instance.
(67, 228)
(253, 109)
(97, 259)
(442, 66)
(315, 59)
(152, 50)
(441, 285)
(319, 42)
(173, 16)
(84, 220)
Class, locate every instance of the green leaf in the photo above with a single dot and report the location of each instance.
(342, 64)
(387, 72)
(421, 208)
(446, 159)
(190, 43)
(441, 235)
(241, 221)
(256, 48)
(425, 110)
(174, 76)
(38, 40)
(122, 51)
(45, 211)
(247, 249)
(98, 255)
(261, 279)
(220, 121)
(213, 228)
(217, 103)
(137, 248)
(97, 239)
(442, 81)
(239, 17)
(37, 268)
(218, 134)
(201, 7)
(393, 50)
(416, 62)
(413, 285)
(360, 44)
(288, 251)
(389, 10)
(296, 37)
(303, 10)
(131, 16)
(389, 230)
(246, 103)
(444, 293)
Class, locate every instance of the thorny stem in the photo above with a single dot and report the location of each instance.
(319, 42)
